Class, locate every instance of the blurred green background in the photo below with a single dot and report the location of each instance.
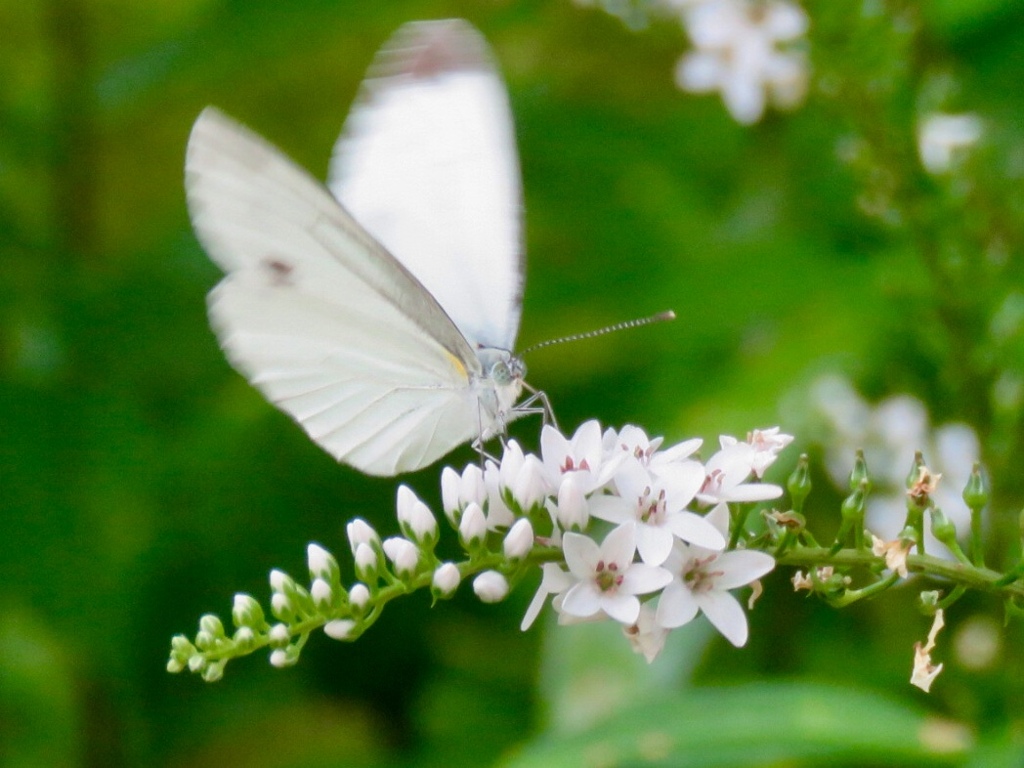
(142, 482)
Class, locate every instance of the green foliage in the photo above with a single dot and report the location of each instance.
(141, 480)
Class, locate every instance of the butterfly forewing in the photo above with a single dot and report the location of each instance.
(321, 318)
(427, 163)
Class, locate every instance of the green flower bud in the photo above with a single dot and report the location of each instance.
(799, 483)
(942, 528)
(247, 612)
(211, 624)
(976, 491)
(860, 473)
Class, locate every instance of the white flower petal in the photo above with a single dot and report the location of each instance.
(676, 606)
(654, 542)
(725, 613)
(581, 554)
(784, 21)
(619, 545)
(621, 607)
(583, 599)
(640, 578)
(699, 72)
(741, 567)
(614, 509)
(694, 529)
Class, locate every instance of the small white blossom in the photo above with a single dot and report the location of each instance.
(519, 540)
(737, 52)
(726, 475)
(657, 506)
(607, 578)
(490, 587)
(446, 579)
(279, 658)
(766, 444)
(581, 456)
(701, 580)
(339, 629)
(940, 137)
(633, 441)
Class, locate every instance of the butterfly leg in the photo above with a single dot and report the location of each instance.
(529, 405)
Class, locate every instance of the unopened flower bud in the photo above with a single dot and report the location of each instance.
(490, 587)
(367, 564)
(282, 607)
(279, 636)
(942, 528)
(211, 624)
(976, 491)
(358, 596)
(282, 582)
(247, 612)
(472, 527)
(322, 595)
(446, 580)
(361, 532)
(403, 554)
(244, 638)
(322, 564)
(415, 518)
(799, 483)
(451, 485)
(572, 510)
(519, 540)
(279, 658)
(860, 473)
(214, 671)
(530, 486)
(339, 629)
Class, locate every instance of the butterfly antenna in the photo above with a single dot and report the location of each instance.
(658, 318)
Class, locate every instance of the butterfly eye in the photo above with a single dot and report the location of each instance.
(505, 372)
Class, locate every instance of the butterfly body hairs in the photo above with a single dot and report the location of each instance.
(379, 312)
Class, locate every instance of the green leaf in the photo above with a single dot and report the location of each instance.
(791, 724)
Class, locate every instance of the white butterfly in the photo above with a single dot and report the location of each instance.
(384, 327)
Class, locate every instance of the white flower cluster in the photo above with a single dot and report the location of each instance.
(745, 50)
(655, 544)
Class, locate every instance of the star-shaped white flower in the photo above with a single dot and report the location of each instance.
(657, 505)
(701, 580)
(582, 455)
(607, 578)
(633, 441)
(726, 475)
(766, 444)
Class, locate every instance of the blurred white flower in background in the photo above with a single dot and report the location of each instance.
(747, 50)
(738, 52)
(890, 433)
(941, 137)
